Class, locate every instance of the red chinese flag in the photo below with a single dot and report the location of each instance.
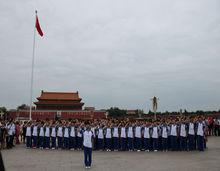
(37, 25)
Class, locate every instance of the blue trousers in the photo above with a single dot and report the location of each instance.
(164, 144)
(100, 144)
(183, 141)
(123, 144)
(34, 141)
(47, 142)
(87, 156)
(200, 142)
(73, 142)
(53, 142)
(138, 143)
(173, 140)
(60, 142)
(66, 142)
(115, 143)
(147, 143)
(108, 142)
(191, 140)
(130, 144)
(155, 143)
(41, 142)
(79, 142)
(28, 141)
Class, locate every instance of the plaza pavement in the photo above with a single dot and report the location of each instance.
(22, 159)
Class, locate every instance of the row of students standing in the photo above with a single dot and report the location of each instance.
(149, 136)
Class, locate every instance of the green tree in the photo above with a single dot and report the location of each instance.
(116, 112)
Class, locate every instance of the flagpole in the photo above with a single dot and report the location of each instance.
(32, 70)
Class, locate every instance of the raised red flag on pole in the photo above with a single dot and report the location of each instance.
(37, 25)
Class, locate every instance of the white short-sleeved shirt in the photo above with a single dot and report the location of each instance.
(87, 139)
(123, 132)
(155, 132)
(146, 132)
(173, 130)
(138, 132)
(108, 133)
(35, 131)
(191, 129)
(130, 132)
(41, 132)
(47, 132)
(53, 132)
(66, 132)
(100, 133)
(164, 132)
(60, 132)
(72, 132)
(200, 130)
(115, 132)
(28, 131)
(183, 130)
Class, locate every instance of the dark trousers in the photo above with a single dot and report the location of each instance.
(155, 143)
(34, 141)
(87, 156)
(28, 141)
(115, 143)
(138, 143)
(130, 143)
(108, 142)
(66, 142)
(123, 144)
(147, 143)
(200, 142)
(53, 142)
(79, 142)
(41, 142)
(72, 142)
(183, 144)
(47, 142)
(60, 142)
(100, 144)
(164, 144)
(173, 140)
(191, 143)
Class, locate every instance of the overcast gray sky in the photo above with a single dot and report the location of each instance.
(115, 52)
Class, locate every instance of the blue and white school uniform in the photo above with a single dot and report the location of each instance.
(147, 138)
(183, 140)
(138, 138)
(108, 139)
(28, 137)
(155, 137)
(164, 138)
(60, 136)
(34, 136)
(200, 136)
(100, 142)
(191, 136)
(47, 137)
(79, 139)
(130, 138)
(173, 137)
(115, 138)
(53, 137)
(72, 138)
(123, 139)
(87, 144)
(66, 137)
(41, 137)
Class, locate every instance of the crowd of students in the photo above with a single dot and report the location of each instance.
(174, 134)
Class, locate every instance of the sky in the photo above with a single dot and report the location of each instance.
(114, 52)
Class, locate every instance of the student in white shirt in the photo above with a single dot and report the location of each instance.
(35, 135)
(116, 137)
(53, 136)
(147, 137)
(28, 135)
(41, 136)
(130, 137)
(87, 144)
(66, 136)
(200, 135)
(164, 137)
(191, 135)
(173, 136)
(183, 136)
(72, 137)
(100, 141)
(108, 137)
(79, 139)
(60, 135)
(123, 135)
(155, 136)
(138, 137)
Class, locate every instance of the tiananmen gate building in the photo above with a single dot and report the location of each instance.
(64, 105)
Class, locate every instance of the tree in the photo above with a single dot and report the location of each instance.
(3, 112)
(116, 112)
